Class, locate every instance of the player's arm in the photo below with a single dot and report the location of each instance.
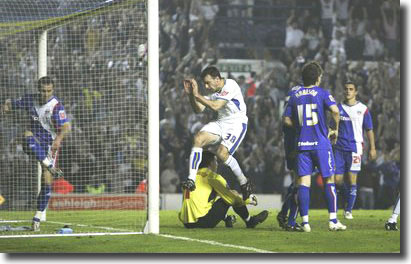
(188, 89)
(230, 197)
(335, 115)
(63, 131)
(372, 153)
(212, 104)
(287, 121)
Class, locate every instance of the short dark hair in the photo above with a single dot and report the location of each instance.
(311, 72)
(212, 71)
(352, 83)
(45, 80)
(207, 158)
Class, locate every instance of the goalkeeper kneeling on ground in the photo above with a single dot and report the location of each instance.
(207, 201)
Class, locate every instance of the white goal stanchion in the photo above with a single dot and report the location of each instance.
(107, 79)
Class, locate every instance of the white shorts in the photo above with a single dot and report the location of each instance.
(231, 133)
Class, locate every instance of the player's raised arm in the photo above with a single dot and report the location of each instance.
(188, 89)
(212, 104)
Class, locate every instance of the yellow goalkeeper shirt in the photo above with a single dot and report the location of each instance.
(197, 203)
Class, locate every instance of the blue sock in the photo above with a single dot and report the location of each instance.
(35, 148)
(44, 197)
(351, 197)
(304, 199)
(287, 200)
(331, 197)
(293, 208)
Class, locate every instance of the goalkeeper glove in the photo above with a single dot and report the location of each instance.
(188, 185)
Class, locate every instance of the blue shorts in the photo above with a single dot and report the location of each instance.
(322, 159)
(347, 161)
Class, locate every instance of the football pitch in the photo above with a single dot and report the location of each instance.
(364, 234)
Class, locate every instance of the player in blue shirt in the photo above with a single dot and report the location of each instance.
(354, 119)
(48, 126)
(306, 112)
(290, 203)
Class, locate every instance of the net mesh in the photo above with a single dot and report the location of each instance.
(98, 60)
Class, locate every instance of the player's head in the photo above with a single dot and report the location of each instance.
(212, 78)
(350, 90)
(209, 160)
(311, 73)
(45, 85)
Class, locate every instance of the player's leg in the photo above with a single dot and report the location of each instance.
(41, 151)
(250, 221)
(340, 169)
(230, 161)
(305, 168)
(42, 198)
(352, 195)
(292, 216)
(325, 164)
(201, 139)
(282, 215)
(216, 214)
(232, 136)
(355, 167)
(391, 224)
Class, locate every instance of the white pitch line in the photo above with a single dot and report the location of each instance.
(72, 235)
(215, 243)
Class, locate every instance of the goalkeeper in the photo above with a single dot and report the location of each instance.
(208, 203)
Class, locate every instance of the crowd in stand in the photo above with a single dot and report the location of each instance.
(99, 62)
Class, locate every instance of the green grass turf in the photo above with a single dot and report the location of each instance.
(364, 234)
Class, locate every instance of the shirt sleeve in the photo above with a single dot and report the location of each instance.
(228, 91)
(288, 107)
(367, 123)
(59, 116)
(219, 184)
(328, 99)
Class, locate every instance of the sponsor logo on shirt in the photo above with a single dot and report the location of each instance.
(223, 93)
(307, 143)
(62, 115)
(345, 118)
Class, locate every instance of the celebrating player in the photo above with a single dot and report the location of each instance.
(306, 112)
(354, 118)
(229, 129)
(48, 126)
(208, 204)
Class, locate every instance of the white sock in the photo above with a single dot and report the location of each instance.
(305, 218)
(393, 218)
(397, 206)
(248, 218)
(333, 216)
(195, 160)
(233, 164)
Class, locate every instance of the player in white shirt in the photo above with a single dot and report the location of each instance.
(48, 126)
(228, 130)
(354, 120)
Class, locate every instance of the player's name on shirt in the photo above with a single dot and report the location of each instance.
(306, 92)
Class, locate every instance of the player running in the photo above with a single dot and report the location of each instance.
(354, 119)
(228, 130)
(48, 126)
(208, 204)
(306, 112)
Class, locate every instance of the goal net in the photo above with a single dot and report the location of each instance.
(97, 56)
